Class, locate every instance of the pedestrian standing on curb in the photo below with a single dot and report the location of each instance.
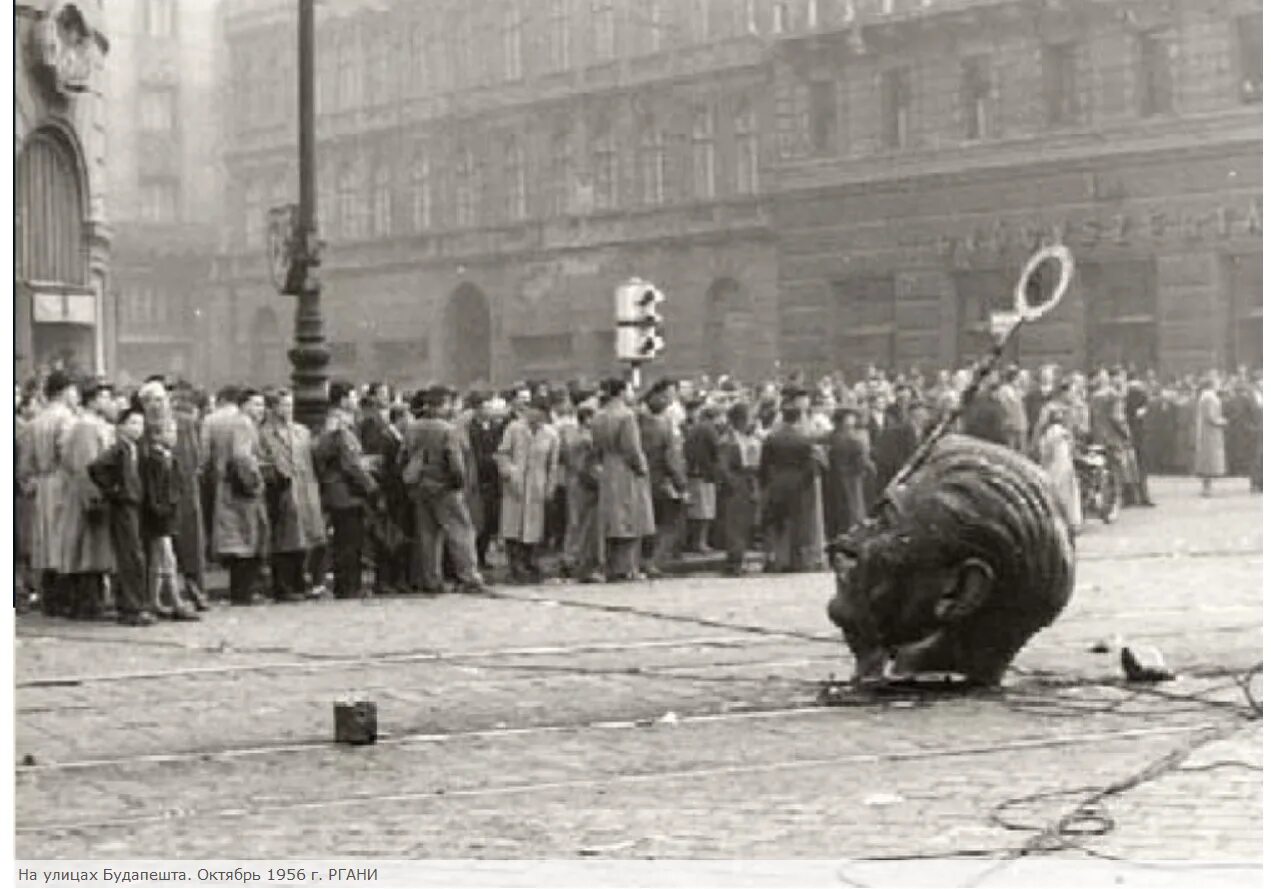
(701, 458)
(44, 477)
(189, 541)
(528, 459)
(625, 504)
(738, 481)
(664, 456)
(1211, 455)
(88, 556)
(117, 473)
(347, 488)
(240, 521)
(433, 478)
(160, 498)
(294, 501)
(584, 546)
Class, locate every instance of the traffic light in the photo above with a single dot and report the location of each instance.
(639, 323)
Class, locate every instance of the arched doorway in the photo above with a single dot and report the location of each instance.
(56, 311)
(466, 327)
(729, 335)
(269, 350)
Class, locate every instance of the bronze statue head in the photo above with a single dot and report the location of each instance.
(964, 563)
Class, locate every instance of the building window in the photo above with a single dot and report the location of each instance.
(466, 189)
(159, 202)
(378, 89)
(653, 14)
(325, 77)
(780, 17)
(1249, 43)
(558, 34)
(561, 171)
(747, 135)
(347, 85)
(896, 97)
(822, 116)
(158, 110)
(604, 155)
(513, 28)
(253, 214)
(514, 180)
(349, 205)
(421, 192)
(382, 202)
(976, 87)
(159, 17)
(602, 29)
(652, 162)
(701, 20)
(703, 153)
(1059, 83)
(419, 58)
(1156, 79)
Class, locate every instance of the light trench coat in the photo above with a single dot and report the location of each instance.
(86, 528)
(42, 473)
(528, 465)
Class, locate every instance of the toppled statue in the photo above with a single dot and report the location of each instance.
(962, 564)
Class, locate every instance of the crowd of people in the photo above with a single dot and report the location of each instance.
(123, 497)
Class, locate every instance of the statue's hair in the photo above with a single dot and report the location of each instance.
(975, 499)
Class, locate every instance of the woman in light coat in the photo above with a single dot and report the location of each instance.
(1055, 454)
(528, 459)
(1211, 453)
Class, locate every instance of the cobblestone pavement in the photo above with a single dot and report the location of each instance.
(676, 719)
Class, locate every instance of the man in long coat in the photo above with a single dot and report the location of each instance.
(625, 503)
(293, 499)
(1108, 427)
(668, 481)
(787, 472)
(240, 521)
(584, 547)
(347, 488)
(189, 541)
(87, 556)
(850, 468)
(433, 475)
(737, 477)
(528, 461)
(1211, 454)
(42, 474)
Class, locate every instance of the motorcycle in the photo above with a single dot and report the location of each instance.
(1100, 494)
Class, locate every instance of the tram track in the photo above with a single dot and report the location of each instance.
(347, 801)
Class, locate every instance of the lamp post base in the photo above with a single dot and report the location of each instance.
(309, 359)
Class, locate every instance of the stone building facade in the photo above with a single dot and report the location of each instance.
(62, 244)
(815, 184)
(163, 171)
(490, 171)
(926, 149)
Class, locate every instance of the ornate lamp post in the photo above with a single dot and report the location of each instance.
(294, 251)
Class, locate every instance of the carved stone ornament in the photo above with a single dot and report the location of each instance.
(65, 47)
(284, 249)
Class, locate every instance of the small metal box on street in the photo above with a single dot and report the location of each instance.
(356, 722)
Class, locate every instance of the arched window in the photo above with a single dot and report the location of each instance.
(421, 191)
(514, 180)
(50, 212)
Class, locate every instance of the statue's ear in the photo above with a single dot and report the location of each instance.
(968, 589)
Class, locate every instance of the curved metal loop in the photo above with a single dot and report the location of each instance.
(1060, 254)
